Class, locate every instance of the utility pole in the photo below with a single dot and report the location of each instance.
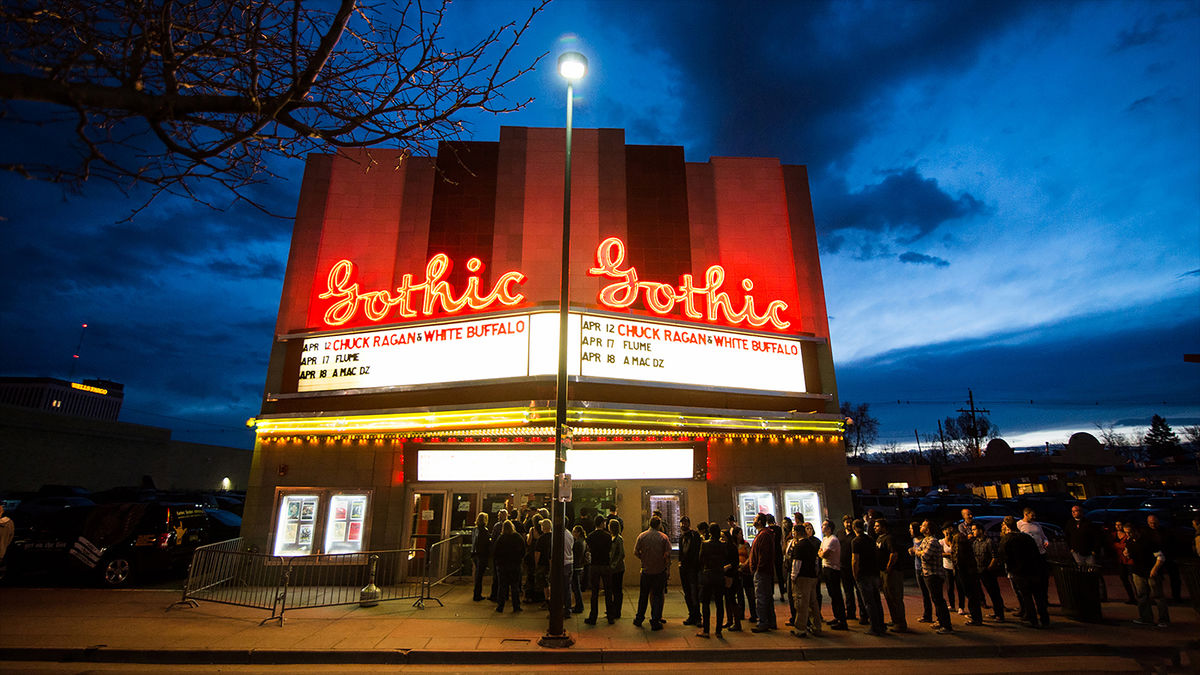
(974, 427)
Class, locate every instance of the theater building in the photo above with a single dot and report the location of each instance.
(412, 376)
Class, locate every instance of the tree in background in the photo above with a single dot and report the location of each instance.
(181, 95)
(862, 430)
(1160, 440)
(967, 434)
(1121, 444)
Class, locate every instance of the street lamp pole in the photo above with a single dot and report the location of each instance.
(572, 66)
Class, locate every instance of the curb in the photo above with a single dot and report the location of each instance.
(1171, 652)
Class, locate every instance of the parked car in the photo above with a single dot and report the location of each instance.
(119, 542)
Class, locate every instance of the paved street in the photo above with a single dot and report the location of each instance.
(60, 629)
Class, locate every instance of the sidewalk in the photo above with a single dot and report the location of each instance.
(141, 626)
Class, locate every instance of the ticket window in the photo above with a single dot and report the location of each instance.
(804, 502)
(295, 530)
(346, 522)
(670, 505)
(750, 504)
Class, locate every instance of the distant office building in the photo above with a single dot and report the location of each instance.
(93, 399)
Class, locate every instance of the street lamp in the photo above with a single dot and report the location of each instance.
(572, 66)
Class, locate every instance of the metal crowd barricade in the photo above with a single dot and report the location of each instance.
(446, 559)
(226, 574)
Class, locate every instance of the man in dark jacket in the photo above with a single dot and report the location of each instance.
(1028, 572)
(1083, 538)
(689, 569)
(599, 543)
(845, 536)
(481, 550)
(507, 553)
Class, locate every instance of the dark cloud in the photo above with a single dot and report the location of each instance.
(904, 204)
(921, 259)
(1142, 33)
(1192, 273)
(804, 76)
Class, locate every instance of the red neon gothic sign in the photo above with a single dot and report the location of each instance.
(433, 294)
(437, 293)
(661, 298)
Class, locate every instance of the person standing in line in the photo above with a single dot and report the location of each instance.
(689, 569)
(891, 562)
(914, 532)
(536, 579)
(1027, 571)
(830, 553)
(802, 560)
(713, 557)
(579, 556)
(1124, 564)
(1167, 542)
(987, 561)
(964, 527)
(762, 565)
(968, 577)
(850, 589)
(481, 548)
(653, 548)
(497, 530)
(733, 613)
(599, 544)
(1029, 525)
(816, 542)
(948, 565)
(507, 553)
(616, 562)
(1085, 542)
(746, 597)
(539, 543)
(777, 536)
(931, 554)
(864, 563)
(1146, 555)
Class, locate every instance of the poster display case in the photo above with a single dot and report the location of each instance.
(320, 521)
(750, 504)
(804, 502)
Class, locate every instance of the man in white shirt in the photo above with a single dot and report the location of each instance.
(831, 573)
(1031, 528)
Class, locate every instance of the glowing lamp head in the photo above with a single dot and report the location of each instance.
(572, 66)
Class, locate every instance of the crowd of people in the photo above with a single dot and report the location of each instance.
(861, 566)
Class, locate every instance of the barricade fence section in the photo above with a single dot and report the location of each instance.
(447, 558)
(225, 573)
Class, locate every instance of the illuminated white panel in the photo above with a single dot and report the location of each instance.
(625, 464)
(521, 345)
(296, 525)
(452, 352)
(686, 354)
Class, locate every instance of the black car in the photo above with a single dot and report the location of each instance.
(121, 541)
(114, 544)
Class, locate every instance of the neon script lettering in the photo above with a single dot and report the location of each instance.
(437, 294)
(662, 298)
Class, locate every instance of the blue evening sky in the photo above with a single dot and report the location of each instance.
(1007, 199)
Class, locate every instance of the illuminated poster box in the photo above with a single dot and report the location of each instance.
(522, 345)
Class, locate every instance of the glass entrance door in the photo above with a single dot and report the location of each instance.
(428, 519)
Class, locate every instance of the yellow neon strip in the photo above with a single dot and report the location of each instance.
(523, 417)
(88, 387)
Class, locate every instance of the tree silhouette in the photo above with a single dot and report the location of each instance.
(179, 95)
(1160, 440)
(863, 429)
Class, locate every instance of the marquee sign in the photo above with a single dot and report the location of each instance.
(600, 347)
(434, 296)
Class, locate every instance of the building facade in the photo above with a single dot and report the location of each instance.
(412, 378)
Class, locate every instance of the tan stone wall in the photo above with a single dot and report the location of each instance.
(764, 463)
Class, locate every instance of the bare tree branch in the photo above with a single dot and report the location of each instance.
(206, 92)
